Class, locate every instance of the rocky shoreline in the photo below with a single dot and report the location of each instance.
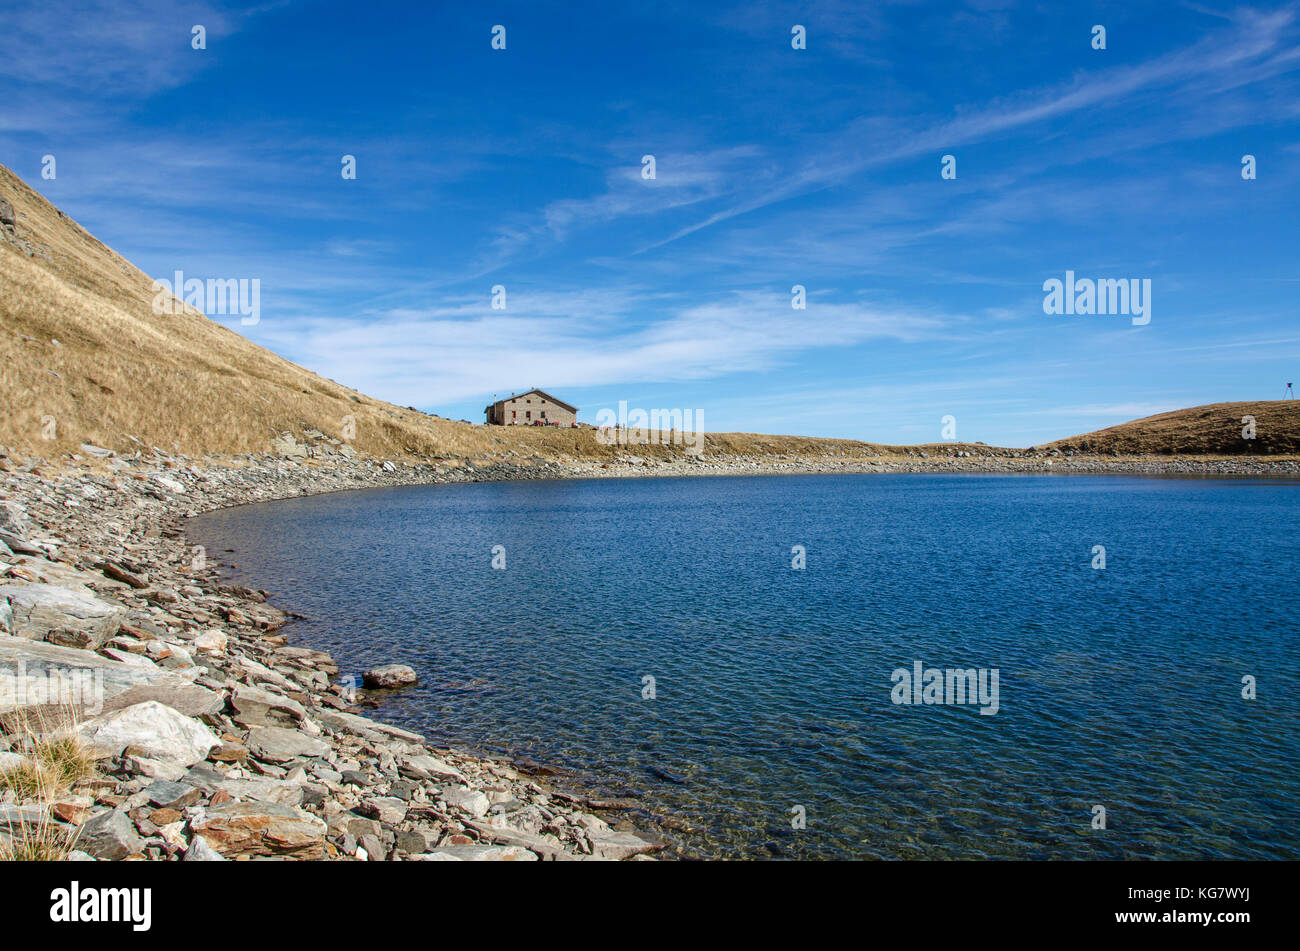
(215, 737)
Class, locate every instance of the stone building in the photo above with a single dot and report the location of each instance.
(534, 408)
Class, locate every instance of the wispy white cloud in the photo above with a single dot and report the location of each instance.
(462, 349)
(112, 47)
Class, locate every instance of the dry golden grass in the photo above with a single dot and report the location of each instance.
(55, 760)
(1212, 430)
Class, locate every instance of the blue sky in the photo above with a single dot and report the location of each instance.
(774, 167)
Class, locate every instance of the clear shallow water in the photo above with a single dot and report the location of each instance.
(1119, 687)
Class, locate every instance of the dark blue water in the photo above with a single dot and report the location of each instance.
(1119, 687)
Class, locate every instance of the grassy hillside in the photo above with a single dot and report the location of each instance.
(1214, 429)
(80, 345)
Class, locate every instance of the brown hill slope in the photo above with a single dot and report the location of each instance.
(1214, 429)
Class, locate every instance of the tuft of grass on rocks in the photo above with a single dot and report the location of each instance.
(64, 758)
(25, 781)
(47, 840)
(53, 761)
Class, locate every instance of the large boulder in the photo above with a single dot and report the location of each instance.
(69, 617)
(388, 677)
(262, 828)
(152, 734)
(6, 213)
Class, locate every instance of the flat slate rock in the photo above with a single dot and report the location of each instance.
(109, 835)
(66, 616)
(35, 660)
(254, 706)
(342, 722)
(257, 828)
(186, 698)
(275, 744)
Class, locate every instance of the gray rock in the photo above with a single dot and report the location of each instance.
(264, 789)
(403, 789)
(189, 699)
(411, 841)
(423, 766)
(63, 616)
(549, 848)
(153, 731)
(254, 706)
(14, 525)
(27, 668)
(173, 795)
(342, 722)
(608, 844)
(467, 800)
(389, 676)
(385, 809)
(275, 744)
(349, 823)
(109, 835)
(16, 820)
(375, 850)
